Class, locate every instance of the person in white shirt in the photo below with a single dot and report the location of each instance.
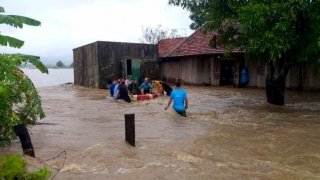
(128, 81)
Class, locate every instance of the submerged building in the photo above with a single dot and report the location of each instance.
(190, 60)
(102, 61)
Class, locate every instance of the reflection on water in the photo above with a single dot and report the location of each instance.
(228, 134)
(55, 77)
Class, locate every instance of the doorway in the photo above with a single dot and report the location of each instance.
(227, 70)
(131, 67)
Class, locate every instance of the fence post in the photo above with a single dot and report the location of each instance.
(25, 139)
(130, 129)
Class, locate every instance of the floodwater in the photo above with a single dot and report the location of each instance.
(228, 134)
(55, 77)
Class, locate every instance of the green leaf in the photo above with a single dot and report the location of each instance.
(18, 21)
(3, 91)
(12, 42)
(35, 60)
(26, 20)
(1, 9)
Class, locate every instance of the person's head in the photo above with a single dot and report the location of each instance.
(178, 84)
(146, 80)
(135, 80)
(122, 81)
(119, 80)
(129, 77)
(114, 81)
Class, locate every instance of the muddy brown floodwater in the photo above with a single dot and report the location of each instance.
(229, 134)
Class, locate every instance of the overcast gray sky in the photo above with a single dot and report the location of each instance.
(66, 24)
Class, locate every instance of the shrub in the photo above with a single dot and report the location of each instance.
(14, 168)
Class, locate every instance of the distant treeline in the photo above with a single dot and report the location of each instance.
(49, 67)
(58, 65)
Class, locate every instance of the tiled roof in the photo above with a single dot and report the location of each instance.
(195, 44)
(165, 46)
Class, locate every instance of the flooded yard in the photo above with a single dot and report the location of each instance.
(228, 134)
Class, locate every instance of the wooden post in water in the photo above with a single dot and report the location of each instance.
(130, 129)
(23, 134)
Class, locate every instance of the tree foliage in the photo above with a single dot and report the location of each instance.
(198, 14)
(284, 31)
(20, 102)
(271, 28)
(14, 168)
(60, 64)
(154, 35)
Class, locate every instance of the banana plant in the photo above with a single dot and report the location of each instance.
(20, 102)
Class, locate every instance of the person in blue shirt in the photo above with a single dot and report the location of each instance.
(112, 86)
(180, 100)
(117, 96)
(146, 87)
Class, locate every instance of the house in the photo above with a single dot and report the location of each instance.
(192, 61)
(102, 61)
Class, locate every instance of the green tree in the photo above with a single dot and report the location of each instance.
(154, 35)
(198, 14)
(282, 32)
(20, 102)
(60, 64)
(71, 65)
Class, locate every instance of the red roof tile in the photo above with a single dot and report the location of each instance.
(195, 44)
(165, 46)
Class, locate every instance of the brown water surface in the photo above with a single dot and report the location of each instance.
(229, 134)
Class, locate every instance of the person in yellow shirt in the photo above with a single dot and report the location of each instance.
(157, 86)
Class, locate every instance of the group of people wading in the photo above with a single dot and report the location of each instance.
(123, 89)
